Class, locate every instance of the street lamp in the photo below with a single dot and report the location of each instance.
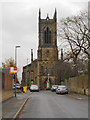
(15, 65)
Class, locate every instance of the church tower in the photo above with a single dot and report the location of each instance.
(47, 49)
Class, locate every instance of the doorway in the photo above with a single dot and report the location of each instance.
(47, 84)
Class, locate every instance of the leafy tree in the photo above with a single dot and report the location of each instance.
(81, 65)
(8, 63)
(18, 82)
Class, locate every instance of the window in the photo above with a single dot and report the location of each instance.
(41, 70)
(23, 77)
(28, 75)
(47, 70)
(36, 65)
(52, 70)
(47, 35)
(47, 51)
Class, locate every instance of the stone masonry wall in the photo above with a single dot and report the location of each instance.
(78, 84)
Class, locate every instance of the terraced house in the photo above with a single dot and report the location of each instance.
(41, 71)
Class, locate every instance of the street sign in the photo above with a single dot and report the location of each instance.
(13, 70)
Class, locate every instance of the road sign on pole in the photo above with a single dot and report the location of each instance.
(13, 70)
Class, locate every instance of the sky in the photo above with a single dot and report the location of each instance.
(19, 25)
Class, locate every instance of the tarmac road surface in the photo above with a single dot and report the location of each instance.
(47, 104)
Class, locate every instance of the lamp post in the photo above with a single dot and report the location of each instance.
(15, 65)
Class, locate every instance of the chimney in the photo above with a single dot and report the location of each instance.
(31, 55)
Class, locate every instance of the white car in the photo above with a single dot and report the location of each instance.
(34, 88)
(17, 86)
(54, 87)
(62, 89)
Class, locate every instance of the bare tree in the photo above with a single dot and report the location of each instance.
(74, 30)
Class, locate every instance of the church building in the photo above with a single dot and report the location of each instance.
(41, 71)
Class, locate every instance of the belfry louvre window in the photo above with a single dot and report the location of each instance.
(47, 36)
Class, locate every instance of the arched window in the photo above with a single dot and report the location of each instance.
(47, 36)
(52, 69)
(28, 78)
(42, 70)
(47, 53)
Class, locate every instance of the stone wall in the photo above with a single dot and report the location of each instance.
(78, 84)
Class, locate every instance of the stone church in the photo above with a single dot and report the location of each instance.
(41, 71)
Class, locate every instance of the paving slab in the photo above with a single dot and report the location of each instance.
(77, 96)
(11, 106)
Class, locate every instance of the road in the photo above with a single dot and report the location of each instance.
(47, 104)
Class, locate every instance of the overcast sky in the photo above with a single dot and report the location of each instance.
(19, 24)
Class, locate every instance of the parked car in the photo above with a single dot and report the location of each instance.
(34, 88)
(54, 87)
(62, 89)
(18, 86)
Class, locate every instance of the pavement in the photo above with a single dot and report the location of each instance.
(12, 107)
(77, 96)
